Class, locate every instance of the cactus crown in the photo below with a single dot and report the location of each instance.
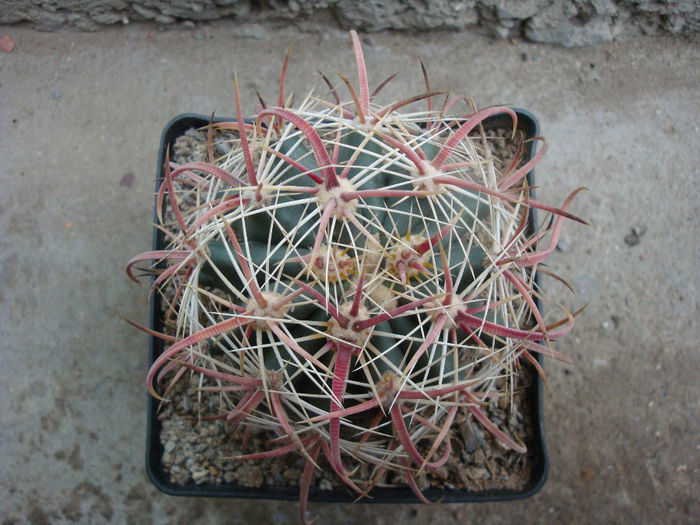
(348, 275)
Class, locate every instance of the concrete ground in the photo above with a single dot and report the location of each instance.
(78, 111)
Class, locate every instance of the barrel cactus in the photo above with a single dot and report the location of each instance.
(350, 274)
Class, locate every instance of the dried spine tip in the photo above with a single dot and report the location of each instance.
(387, 389)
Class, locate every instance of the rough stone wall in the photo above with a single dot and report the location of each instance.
(567, 22)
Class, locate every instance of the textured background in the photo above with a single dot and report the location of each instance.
(79, 111)
(567, 22)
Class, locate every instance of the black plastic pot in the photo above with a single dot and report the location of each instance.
(154, 449)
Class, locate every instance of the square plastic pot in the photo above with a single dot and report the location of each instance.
(154, 449)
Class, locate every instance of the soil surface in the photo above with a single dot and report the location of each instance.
(201, 451)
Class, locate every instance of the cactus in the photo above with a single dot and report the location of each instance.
(348, 275)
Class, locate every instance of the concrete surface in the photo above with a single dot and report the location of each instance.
(78, 111)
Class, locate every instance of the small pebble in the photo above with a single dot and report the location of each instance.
(164, 19)
(324, 484)
(478, 473)
(223, 148)
(229, 477)
(127, 180)
(7, 44)
(472, 436)
(199, 476)
(254, 31)
(635, 235)
(599, 363)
